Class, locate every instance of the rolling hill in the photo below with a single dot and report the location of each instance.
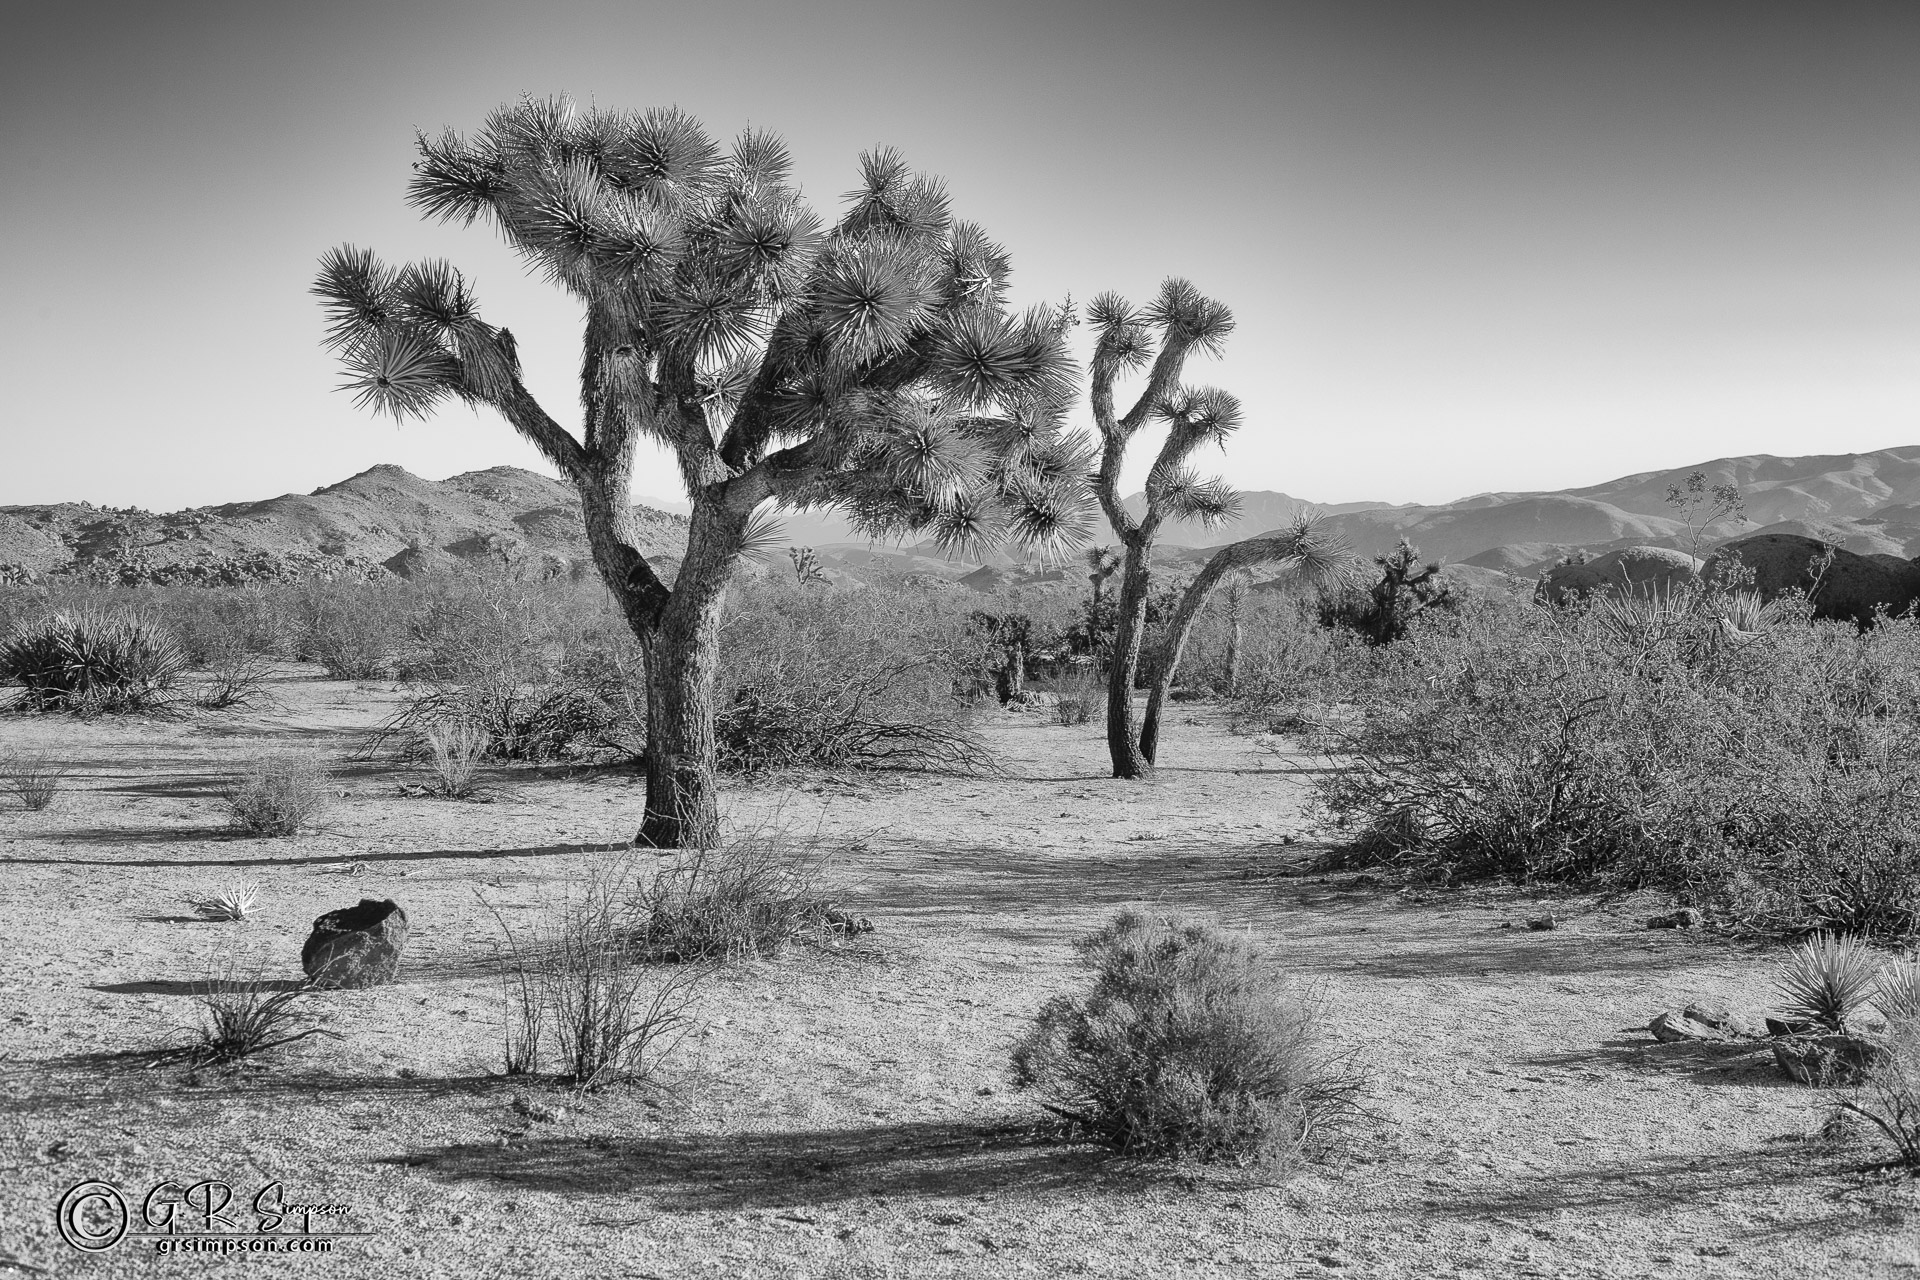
(388, 520)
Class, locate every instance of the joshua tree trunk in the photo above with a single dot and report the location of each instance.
(1316, 558)
(1236, 624)
(1130, 624)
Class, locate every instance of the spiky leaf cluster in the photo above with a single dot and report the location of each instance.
(872, 363)
(1158, 338)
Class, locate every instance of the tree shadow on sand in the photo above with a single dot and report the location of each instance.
(733, 1172)
(1656, 1186)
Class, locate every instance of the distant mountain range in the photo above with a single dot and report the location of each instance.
(387, 518)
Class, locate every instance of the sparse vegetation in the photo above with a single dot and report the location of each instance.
(1889, 1098)
(1190, 1044)
(278, 795)
(452, 750)
(753, 895)
(578, 996)
(33, 777)
(243, 1015)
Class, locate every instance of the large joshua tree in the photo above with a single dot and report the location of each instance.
(1159, 339)
(873, 365)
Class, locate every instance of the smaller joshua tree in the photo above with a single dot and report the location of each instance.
(1159, 340)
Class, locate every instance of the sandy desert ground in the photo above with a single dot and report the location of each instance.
(849, 1115)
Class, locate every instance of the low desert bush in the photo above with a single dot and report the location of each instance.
(1889, 1097)
(356, 630)
(278, 795)
(1772, 776)
(858, 679)
(233, 680)
(33, 777)
(1190, 1044)
(91, 662)
(1080, 697)
(453, 751)
(242, 1015)
(752, 895)
(577, 997)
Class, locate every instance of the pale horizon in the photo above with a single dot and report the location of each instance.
(1503, 248)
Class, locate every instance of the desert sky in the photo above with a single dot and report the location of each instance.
(1471, 246)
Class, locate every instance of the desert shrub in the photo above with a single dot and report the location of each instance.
(224, 625)
(242, 1014)
(1189, 1044)
(538, 670)
(278, 795)
(33, 777)
(577, 997)
(92, 662)
(1889, 1097)
(862, 679)
(453, 751)
(753, 895)
(237, 679)
(1292, 671)
(1080, 697)
(1771, 775)
(356, 630)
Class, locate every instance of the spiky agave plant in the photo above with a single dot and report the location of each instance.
(235, 902)
(874, 364)
(90, 660)
(1827, 980)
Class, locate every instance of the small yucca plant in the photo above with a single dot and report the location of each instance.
(1827, 980)
(92, 662)
(234, 903)
(1897, 991)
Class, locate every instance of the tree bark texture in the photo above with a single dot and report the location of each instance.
(1130, 626)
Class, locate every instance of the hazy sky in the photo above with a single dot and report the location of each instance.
(1470, 246)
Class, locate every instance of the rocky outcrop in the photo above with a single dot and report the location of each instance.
(1852, 587)
(1629, 569)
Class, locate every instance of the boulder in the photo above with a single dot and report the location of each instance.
(1721, 1017)
(1629, 569)
(1852, 587)
(357, 946)
(1827, 1060)
(1675, 1026)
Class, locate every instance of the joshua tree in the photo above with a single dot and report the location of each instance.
(874, 365)
(1307, 554)
(1182, 320)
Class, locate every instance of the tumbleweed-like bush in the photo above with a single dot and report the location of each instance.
(278, 795)
(1190, 1044)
